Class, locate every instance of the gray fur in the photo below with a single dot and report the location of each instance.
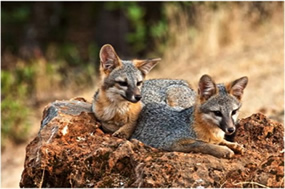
(160, 125)
(158, 90)
(222, 89)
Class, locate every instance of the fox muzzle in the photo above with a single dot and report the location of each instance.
(133, 95)
(228, 126)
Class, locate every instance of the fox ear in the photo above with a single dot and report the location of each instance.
(207, 87)
(146, 65)
(236, 87)
(108, 58)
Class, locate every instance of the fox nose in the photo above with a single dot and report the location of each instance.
(138, 97)
(231, 130)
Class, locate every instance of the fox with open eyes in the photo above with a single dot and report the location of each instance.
(117, 103)
(201, 127)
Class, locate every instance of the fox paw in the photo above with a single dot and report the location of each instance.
(227, 153)
(239, 149)
(121, 134)
(230, 154)
(222, 152)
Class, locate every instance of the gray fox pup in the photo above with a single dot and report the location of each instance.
(175, 93)
(117, 103)
(199, 128)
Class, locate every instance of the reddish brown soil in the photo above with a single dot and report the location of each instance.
(72, 151)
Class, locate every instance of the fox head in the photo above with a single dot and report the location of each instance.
(121, 79)
(219, 104)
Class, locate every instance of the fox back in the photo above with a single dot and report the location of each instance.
(206, 122)
(160, 125)
(175, 93)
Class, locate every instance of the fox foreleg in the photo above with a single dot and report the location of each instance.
(236, 147)
(125, 131)
(191, 145)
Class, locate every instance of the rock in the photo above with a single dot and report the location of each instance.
(71, 150)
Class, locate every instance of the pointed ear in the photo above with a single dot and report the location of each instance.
(146, 65)
(236, 87)
(207, 87)
(108, 58)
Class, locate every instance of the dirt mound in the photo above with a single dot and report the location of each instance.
(71, 150)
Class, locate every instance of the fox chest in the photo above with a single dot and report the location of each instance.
(112, 118)
(209, 133)
(215, 136)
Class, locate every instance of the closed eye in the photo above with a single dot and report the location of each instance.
(122, 83)
(217, 113)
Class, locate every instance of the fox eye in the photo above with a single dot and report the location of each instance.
(234, 112)
(217, 113)
(122, 83)
(139, 83)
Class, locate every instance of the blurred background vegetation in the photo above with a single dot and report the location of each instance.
(50, 49)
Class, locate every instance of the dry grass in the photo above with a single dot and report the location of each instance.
(229, 45)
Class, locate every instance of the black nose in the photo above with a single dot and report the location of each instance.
(231, 130)
(138, 97)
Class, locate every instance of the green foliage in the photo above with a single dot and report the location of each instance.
(14, 109)
(18, 15)
(159, 29)
(135, 14)
(93, 51)
(70, 53)
(142, 31)
(14, 123)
